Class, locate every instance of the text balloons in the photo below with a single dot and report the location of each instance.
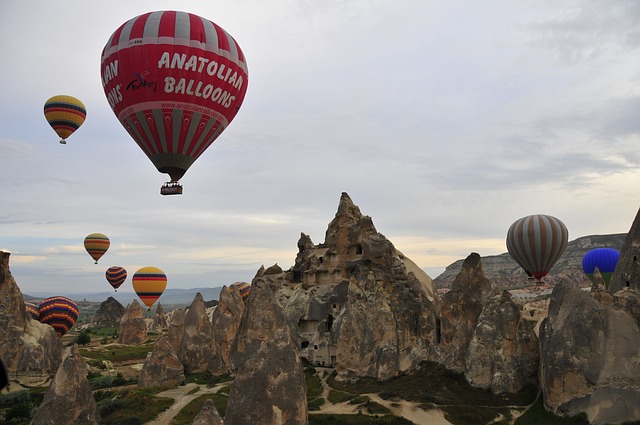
(175, 81)
(116, 276)
(96, 245)
(149, 283)
(536, 242)
(59, 312)
(605, 259)
(65, 114)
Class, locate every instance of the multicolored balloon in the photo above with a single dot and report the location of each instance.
(32, 309)
(65, 115)
(536, 243)
(175, 81)
(149, 283)
(59, 312)
(116, 276)
(243, 288)
(605, 259)
(96, 245)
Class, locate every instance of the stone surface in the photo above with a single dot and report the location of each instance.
(30, 350)
(133, 328)
(627, 272)
(503, 354)
(590, 359)
(69, 400)
(460, 309)
(176, 328)
(109, 313)
(269, 386)
(160, 320)
(226, 321)
(356, 301)
(162, 368)
(198, 351)
(208, 415)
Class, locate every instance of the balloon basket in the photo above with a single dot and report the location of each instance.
(171, 188)
(63, 142)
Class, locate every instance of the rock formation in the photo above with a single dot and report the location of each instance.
(69, 400)
(176, 328)
(337, 290)
(226, 321)
(133, 328)
(208, 415)
(30, 350)
(109, 313)
(269, 387)
(627, 272)
(162, 368)
(160, 320)
(503, 353)
(590, 358)
(460, 310)
(198, 351)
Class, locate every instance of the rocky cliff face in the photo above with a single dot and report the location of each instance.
(504, 272)
(109, 313)
(30, 350)
(503, 353)
(69, 400)
(461, 308)
(160, 320)
(590, 358)
(338, 289)
(162, 368)
(208, 415)
(197, 348)
(270, 386)
(627, 272)
(226, 321)
(133, 328)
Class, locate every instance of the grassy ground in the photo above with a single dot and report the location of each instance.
(132, 406)
(117, 353)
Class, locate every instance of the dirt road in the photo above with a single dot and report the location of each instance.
(182, 398)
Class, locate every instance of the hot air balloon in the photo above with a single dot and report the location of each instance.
(59, 312)
(149, 284)
(65, 115)
(32, 309)
(175, 81)
(605, 259)
(116, 275)
(96, 245)
(243, 288)
(536, 242)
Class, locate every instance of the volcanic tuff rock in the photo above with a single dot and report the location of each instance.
(160, 320)
(30, 350)
(176, 328)
(208, 415)
(226, 321)
(269, 385)
(590, 358)
(69, 399)
(504, 272)
(337, 290)
(162, 368)
(133, 328)
(109, 313)
(461, 307)
(503, 353)
(627, 272)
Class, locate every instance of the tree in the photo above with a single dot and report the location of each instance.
(83, 338)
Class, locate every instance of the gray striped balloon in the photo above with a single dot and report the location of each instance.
(536, 243)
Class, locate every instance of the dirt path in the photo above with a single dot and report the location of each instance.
(182, 398)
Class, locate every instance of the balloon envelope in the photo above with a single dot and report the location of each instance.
(149, 283)
(243, 288)
(536, 242)
(96, 245)
(175, 81)
(32, 309)
(59, 312)
(605, 259)
(65, 114)
(116, 276)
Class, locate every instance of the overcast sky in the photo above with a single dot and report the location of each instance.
(445, 121)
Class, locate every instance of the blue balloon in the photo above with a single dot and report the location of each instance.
(605, 259)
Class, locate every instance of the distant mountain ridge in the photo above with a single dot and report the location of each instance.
(171, 296)
(505, 272)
